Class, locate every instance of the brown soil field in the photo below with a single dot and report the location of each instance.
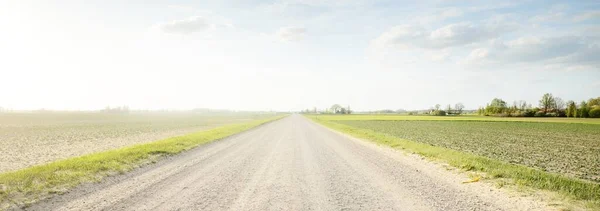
(28, 139)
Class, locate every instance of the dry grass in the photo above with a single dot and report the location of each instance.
(25, 186)
(35, 138)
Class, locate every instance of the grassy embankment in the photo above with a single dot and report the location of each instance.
(25, 186)
(504, 172)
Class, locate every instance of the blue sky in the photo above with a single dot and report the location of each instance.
(295, 54)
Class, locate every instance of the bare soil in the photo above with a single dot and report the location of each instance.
(33, 139)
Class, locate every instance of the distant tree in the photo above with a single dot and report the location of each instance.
(448, 109)
(595, 112)
(438, 113)
(437, 107)
(559, 107)
(583, 110)
(336, 108)
(522, 105)
(342, 110)
(512, 110)
(459, 108)
(559, 104)
(571, 109)
(497, 106)
(593, 102)
(385, 111)
(481, 111)
(497, 102)
(547, 102)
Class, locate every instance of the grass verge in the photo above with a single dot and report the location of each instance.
(576, 189)
(23, 187)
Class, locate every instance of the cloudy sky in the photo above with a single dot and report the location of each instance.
(295, 54)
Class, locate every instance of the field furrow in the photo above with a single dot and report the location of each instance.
(569, 149)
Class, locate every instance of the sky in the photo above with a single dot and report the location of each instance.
(289, 55)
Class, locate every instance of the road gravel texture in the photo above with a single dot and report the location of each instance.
(290, 164)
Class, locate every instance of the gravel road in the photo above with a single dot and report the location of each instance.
(290, 164)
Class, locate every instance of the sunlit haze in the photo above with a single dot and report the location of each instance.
(295, 54)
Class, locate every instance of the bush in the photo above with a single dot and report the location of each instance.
(438, 113)
(540, 114)
(518, 114)
(529, 113)
(595, 113)
(502, 115)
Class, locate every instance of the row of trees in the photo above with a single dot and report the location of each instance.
(549, 106)
(585, 109)
(338, 109)
(456, 110)
(116, 110)
(334, 109)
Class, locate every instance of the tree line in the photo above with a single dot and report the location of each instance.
(334, 109)
(116, 110)
(548, 106)
(438, 111)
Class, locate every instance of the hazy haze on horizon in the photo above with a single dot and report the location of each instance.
(295, 54)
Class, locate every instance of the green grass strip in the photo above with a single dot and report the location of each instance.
(25, 186)
(577, 189)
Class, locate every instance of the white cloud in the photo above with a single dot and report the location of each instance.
(555, 13)
(291, 33)
(587, 16)
(185, 26)
(459, 34)
(567, 53)
(530, 49)
(330, 3)
(439, 56)
(403, 36)
(477, 56)
(448, 43)
(549, 17)
(452, 35)
(441, 15)
(487, 6)
(181, 7)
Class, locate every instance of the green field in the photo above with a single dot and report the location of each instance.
(570, 149)
(555, 154)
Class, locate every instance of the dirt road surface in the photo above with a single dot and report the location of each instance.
(290, 164)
